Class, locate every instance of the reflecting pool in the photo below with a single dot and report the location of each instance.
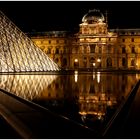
(89, 99)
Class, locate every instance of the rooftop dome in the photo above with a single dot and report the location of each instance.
(93, 16)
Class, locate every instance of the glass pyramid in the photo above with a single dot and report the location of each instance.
(18, 53)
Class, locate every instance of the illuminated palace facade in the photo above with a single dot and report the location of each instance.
(94, 46)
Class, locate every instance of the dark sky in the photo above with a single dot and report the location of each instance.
(67, 15)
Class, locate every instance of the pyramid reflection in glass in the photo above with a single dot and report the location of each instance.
(18, 53)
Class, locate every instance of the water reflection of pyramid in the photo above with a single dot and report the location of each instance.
(26, 86)
(17, 51)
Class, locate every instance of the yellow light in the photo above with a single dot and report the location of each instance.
(76, 60)
(98, 60)
(76, 76)
(98, 77)
(93, 75)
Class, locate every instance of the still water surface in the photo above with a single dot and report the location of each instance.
(89, 99)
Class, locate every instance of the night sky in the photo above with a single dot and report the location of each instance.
(67, 15)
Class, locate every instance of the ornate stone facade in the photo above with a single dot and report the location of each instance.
(94, 46)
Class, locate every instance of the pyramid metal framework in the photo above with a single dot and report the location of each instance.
(18, 53)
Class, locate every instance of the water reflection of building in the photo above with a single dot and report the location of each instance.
(88, 95)
(96, 96)
(93, 46)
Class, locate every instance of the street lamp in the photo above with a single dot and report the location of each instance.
(76, 63)
(93, 66)
(98, 60)
(76, 60)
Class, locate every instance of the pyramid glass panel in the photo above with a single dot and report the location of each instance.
(18, 53)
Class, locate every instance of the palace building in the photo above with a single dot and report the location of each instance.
(94, 46)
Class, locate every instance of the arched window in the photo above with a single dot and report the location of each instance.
(85, 49)
(123, 50)
(132, 62)
(100, 49)
(133, 49)
(75, 50)
(49, 51)
(57, 51)
(64, 62)
(85, 61)
(109, 62)
(92, 62)
(92, 48)
(109, 48)
(100, 30)
(65, 50)
(124, 62)
(76, 63)
(92, 88)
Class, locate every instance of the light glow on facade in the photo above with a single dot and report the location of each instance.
(98, 77)
(98, 60)
(117, 48)
(76, 60)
